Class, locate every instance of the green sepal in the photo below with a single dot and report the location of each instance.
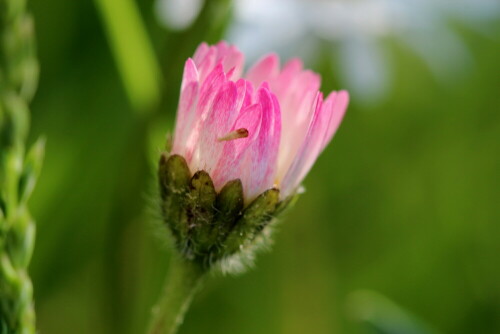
(253, 220)
(174, 178)
(211, 227)
(229, 204)
(201, 212)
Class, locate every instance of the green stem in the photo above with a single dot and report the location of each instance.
(183, 280)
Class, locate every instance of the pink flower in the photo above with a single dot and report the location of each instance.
(265, 127)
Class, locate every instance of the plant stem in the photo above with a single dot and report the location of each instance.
(183, 280)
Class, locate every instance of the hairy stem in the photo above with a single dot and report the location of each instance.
(183, 280)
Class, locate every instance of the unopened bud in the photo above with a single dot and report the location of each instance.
(210, 226)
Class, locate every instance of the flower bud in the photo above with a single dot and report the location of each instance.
(243, 143)
(207, 225)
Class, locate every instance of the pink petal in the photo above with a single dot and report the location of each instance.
(296, 90)
(297, 115)
(190, 73)
(250, 118)
(264, 70)
(234, 60)
(207, 64)
(186, 118)
(230, 73)
(310, 149)
(338, 102)
(217, 124)
(207, 92)
(287, 77)
(264, 150)
(187, 106)
(200, 53)
(231, 58)
(221, 47)
(244, 89)
(209, 88)
(249, 93)
(230, 165)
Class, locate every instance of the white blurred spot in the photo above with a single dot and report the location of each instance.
(364, 68)
(358, 30)
(178, 14)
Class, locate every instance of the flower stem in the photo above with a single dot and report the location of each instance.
(183, 280)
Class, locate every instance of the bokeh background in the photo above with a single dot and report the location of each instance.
(398, 231)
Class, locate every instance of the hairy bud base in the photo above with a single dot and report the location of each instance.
(208, 226)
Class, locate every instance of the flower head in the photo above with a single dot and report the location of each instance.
(265, 127)
(242, 146)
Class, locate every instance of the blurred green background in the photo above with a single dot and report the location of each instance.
(405, 203)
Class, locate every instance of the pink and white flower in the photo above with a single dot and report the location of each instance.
(265, 127)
